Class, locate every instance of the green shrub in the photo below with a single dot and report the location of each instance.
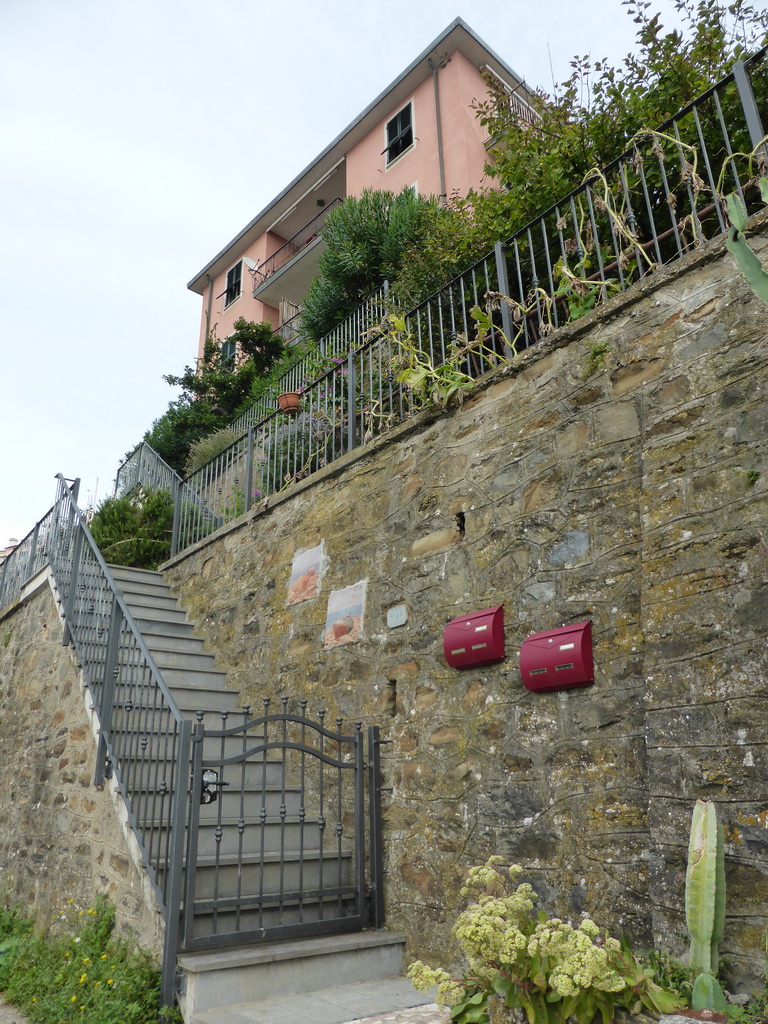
(365, 240)
(135, 530)
(214, 391)
(588, 121)
(84, 974)
(209, 447)
(543, 966)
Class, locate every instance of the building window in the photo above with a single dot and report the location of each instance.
(399, 133)
(234, 284)
(229, 353)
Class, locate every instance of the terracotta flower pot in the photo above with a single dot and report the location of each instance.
(289, 402)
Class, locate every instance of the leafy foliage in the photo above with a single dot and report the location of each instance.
(90, 976)
(214, 391)
(209, 447)
(586, 122)
(135, 530)
(365, 239)
(184, 422)
(543, 966)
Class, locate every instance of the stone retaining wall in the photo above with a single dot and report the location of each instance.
(60, 836)
(618, 472)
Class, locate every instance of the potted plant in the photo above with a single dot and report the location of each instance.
(289, 402)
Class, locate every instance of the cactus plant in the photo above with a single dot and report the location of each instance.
(705, 903)
(750, 265)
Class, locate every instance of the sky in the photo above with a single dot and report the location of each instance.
(137, 137)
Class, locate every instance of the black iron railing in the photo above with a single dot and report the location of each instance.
(658, 201)
(292, 247)
(144, 741)
(277, 829)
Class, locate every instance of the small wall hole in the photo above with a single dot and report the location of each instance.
(390, 698)
(459, 517)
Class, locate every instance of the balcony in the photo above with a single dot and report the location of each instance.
(283, 263)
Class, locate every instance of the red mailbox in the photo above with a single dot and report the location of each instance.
(558, 659)
(475, 639)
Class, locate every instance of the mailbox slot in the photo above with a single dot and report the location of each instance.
(475, 639)
(558, 659)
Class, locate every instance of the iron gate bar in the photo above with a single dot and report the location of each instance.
(246, 911)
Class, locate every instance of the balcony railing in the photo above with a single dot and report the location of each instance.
(292, 247)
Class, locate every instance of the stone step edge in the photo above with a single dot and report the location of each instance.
(295, 949)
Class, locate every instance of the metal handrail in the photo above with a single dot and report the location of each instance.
(143, 737)
(143, 467)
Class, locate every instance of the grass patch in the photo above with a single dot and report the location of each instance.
(84, 974)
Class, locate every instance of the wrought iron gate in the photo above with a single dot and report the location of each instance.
(279, 842)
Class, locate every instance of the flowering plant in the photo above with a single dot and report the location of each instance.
(543, 966)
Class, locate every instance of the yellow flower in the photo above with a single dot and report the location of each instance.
(103, 956)
(83, 977)
(74, 999)
(109, 981)
(86, 959)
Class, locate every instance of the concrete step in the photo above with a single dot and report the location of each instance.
(229, 875)
(201, 678)
(129, 571)
(149, 626)
(225, 836)
(187, 660)
(222, 978)
(393, 999)
(181, 642)
(274, 872)
(155, 601)
(147, 588)
(190, 696)
(147, 769)
(254, 801)
(148, 617)
(273, 912)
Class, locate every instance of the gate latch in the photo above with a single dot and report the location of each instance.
(209, 792)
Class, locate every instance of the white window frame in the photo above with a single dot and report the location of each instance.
(229, 352)
(388, 145)
(229, 301)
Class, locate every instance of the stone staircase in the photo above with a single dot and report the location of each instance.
(359, 971)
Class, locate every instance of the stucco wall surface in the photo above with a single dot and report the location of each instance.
(60, 836)
(618, 472)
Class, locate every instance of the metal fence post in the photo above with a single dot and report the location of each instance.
(106, 703)
(501, 273)
(176, 868)
(176, 492)
(33, 552)
(6, 560)
(351, 401)
(751, 113)
(374, 828)
(249, 471)
(74, 572)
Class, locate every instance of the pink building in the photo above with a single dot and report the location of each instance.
(420, 132)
